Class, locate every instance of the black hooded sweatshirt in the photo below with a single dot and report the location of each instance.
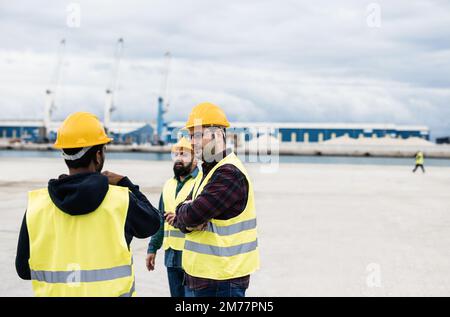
(81, 194)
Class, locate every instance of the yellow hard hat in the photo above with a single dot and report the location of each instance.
(183, 143)
(81, 129)
(207, 113)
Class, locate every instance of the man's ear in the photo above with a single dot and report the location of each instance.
(98, 157)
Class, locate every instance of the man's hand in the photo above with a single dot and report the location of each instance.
(170, 217)
(150, 261)
(113, 179)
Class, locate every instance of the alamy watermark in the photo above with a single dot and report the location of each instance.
(373, 278)
(74, 277)
(373, 18)
(253, 145)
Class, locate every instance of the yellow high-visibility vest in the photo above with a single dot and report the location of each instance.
(173, 237)
(85, 255)
(226, 249)
(419, 158)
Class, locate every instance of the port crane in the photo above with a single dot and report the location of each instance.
(112, 85)
(50, 92)
(163, 100)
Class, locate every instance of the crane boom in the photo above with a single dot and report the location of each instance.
(112, 85)
(50, 93)
(165, 81)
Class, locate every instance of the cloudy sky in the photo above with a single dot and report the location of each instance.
(293, 61)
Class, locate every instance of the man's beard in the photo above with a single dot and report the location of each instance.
(180, 170)
(100, 167)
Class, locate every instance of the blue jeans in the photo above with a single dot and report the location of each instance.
(222, 289)
(175, 273)
(176, 278)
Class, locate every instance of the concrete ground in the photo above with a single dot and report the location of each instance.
(332, 230)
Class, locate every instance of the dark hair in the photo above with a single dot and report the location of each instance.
(86, 159)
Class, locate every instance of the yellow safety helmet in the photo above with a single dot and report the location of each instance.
(183, 143)
(207, 114)
(81, 129)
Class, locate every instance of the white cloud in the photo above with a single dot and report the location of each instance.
(260, 60)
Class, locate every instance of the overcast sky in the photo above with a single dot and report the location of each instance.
(294, 61)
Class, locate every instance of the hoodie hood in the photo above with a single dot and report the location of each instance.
(78, 194)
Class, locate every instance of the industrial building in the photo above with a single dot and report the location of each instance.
(128, 132)
(286, 132)
(144, 133)
(443, 140)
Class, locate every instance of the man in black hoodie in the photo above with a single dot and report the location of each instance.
(55, 226)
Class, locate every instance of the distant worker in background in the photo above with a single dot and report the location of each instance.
(174, 192)
(76, 233)
(221, 248)
(419, 162)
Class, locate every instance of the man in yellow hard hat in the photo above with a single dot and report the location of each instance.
(221, 247)
(76, 233)
(174, 192)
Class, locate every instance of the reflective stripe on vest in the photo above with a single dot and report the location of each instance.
(82, 276)
(231, 229)
(85, 255)
(221, 251)
(173, 237)
(173, 233)
(225, 249)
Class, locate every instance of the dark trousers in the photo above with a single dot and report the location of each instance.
(175, 273)
(417, 166)
(222, 289)
(176, 279)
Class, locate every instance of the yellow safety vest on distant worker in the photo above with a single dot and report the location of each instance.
(419, 158)
(226, 248)
(85, 255)
(173, 237)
